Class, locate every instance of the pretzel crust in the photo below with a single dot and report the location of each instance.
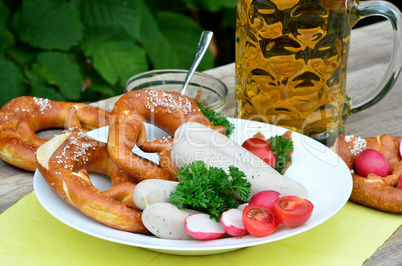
(166, 110)
(64, 162)
(23, 116)
(373, 191)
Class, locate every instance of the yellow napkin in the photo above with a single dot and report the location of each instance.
(31, 236)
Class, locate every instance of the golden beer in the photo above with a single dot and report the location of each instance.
(291, 58)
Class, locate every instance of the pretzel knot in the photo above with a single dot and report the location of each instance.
(166, 110)
(23, 116)
(64, 162)
(374, 191)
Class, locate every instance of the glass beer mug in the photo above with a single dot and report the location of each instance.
(291, 58)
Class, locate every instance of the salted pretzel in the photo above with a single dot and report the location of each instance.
(373, 191)
(64, 162)
(166, 110)
(23, 116)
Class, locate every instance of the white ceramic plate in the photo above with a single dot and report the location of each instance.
(320, 170)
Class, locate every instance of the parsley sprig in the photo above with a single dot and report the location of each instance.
(281, 146)
(217, 119)
(210, 190)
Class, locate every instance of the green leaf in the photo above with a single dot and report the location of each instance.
(98, 90)
(95, 37)
(4, 15)
(38, 77)
(165, 5)
(171, 40)
(94, 87)
(38, 74)
(6, 40)
(229, 18)
(123, 13)
(24, 55)
(42, 91)
(215, 5)
(48, 24)
(158, 48)
(211, 5)
(118, 61)
(63, 73)
(281, 146)
(6, 37)
(114, 54)
(11, 81)
(183, 34)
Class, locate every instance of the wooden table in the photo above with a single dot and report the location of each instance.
(369, 55)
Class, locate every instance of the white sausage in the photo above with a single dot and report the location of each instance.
(165, 220)
(242, 206)
(193, 141)
(151, 191)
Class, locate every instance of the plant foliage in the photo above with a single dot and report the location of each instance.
(85, 50)
(210, 189)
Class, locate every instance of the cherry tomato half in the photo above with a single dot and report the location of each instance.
(258, 220)
(262, 149)
(292, 210)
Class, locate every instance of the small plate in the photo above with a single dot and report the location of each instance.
(326, 177)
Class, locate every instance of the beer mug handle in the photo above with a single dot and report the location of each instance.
(392, 13)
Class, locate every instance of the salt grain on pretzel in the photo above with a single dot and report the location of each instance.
(23, 116)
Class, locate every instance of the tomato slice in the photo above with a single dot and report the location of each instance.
(292, 210)
(262, 149)
(258, 220)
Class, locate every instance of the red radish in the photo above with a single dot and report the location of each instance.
(399, 183)
(200, 226)
(371, 161)
(232, 222)
(266, 198)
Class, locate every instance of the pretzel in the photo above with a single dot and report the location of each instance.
(64, 162)
(373, 191)
(166, 110)
(23, 116)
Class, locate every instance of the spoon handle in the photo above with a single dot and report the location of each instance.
(205, 39)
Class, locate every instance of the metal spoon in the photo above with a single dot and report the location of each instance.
(205, 39)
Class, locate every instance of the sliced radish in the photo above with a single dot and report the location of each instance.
(200, 226)
(232, 222)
